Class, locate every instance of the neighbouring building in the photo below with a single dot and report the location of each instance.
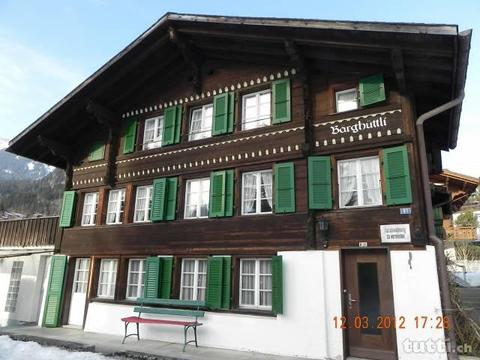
(275, 167)
(26, 246)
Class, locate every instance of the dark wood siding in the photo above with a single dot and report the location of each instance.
(30, 232)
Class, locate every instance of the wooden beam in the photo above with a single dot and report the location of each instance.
(61, 151)
(399, 70)
(296, 58)
(191, 56)
(102, 114)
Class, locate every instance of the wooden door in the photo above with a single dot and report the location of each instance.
(79, 292)
(368, 297)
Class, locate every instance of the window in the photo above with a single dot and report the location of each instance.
(14, 286)
(346, 100)
(197, 198)
(194, 279)
(257, 192)
(359, 182)
(89, 214)
(152, 135)
(143, 204)
(108, 278)
(116, 202)
(201, 123)
(135, 280)
(256, 110)
(256, 284)
(80, 279)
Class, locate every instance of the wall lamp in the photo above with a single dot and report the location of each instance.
(322, 231)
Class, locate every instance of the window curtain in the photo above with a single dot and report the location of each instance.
(250, 195)
(371, 181)
(267, 187)
(348, 184)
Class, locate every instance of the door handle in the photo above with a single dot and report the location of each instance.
(350, 301)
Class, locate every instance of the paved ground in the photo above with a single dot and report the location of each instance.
(111, 345)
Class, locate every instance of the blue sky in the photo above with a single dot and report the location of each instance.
(49, 47)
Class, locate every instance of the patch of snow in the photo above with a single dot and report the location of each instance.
(20, 350)
(8, 171)
(3, 143)
(30, 165)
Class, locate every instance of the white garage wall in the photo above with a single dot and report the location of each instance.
(311, 300)
(416, 293)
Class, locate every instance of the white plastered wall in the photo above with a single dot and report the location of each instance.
(30, 291)
(416, 293)
(311, 299)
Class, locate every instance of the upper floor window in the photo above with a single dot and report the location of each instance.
(107, 278)
(89, 213)
(143, 204)
(201, 123)
(135, 279)
(257, 192)
(359, 182)
(194, 279)
(346, 100)
(256, 283)
(116, 202)
(197, 198)
(256, 110)
(152, 135)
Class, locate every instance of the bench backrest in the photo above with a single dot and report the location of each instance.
(144, 302)
(165, 311)
(171, 302)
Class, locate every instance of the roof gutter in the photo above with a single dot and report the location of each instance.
(434, 240)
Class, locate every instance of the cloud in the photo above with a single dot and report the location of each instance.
(30, 83)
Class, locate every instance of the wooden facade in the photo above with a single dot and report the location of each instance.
(35, 232)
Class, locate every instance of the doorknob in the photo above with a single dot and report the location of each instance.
(350, 300)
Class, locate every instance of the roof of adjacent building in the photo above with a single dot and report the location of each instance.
(431, 59)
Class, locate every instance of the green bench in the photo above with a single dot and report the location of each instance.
(144, 307)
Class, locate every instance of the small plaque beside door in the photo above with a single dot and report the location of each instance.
(395, 233)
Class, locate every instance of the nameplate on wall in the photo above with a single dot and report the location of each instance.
(395, 233)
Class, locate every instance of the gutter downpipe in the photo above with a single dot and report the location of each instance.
(434, 240)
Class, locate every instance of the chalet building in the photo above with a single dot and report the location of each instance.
(26, 246)
(275, 170)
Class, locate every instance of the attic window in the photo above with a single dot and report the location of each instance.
(346, 100)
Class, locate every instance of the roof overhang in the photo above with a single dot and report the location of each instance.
(434, 57)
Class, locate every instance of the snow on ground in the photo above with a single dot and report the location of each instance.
(20, 350)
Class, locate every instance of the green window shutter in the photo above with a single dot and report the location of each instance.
(319, 182)
(397, 175)
(277, 285)
(226, 282)
(223, 113)
(372, 90)
(53, 301)
(68, 208)
(229, 191)
(217, 194)
(166, 277)
(172, 123)
(171, 198)
(284, 188)
(281, 101)
(158, 199)
(97, 152)
(129, 135)
(152, 277)
(214, 282)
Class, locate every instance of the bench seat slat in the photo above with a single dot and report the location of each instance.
(136, 319)
(171, 302)
(163, 311)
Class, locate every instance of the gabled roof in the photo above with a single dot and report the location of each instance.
(433, 60)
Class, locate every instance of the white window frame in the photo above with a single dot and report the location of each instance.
(258, 210)
(80, 277)
(14, 287)
(360, 198)
(141, 279)
(118, 205)
(196, 274)
(87, 200)
(258, 120)
(111, 278)
(337, 95)
(147, 207)
(156, 141)
(256, 285)
(198, 205)
(205, 131)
